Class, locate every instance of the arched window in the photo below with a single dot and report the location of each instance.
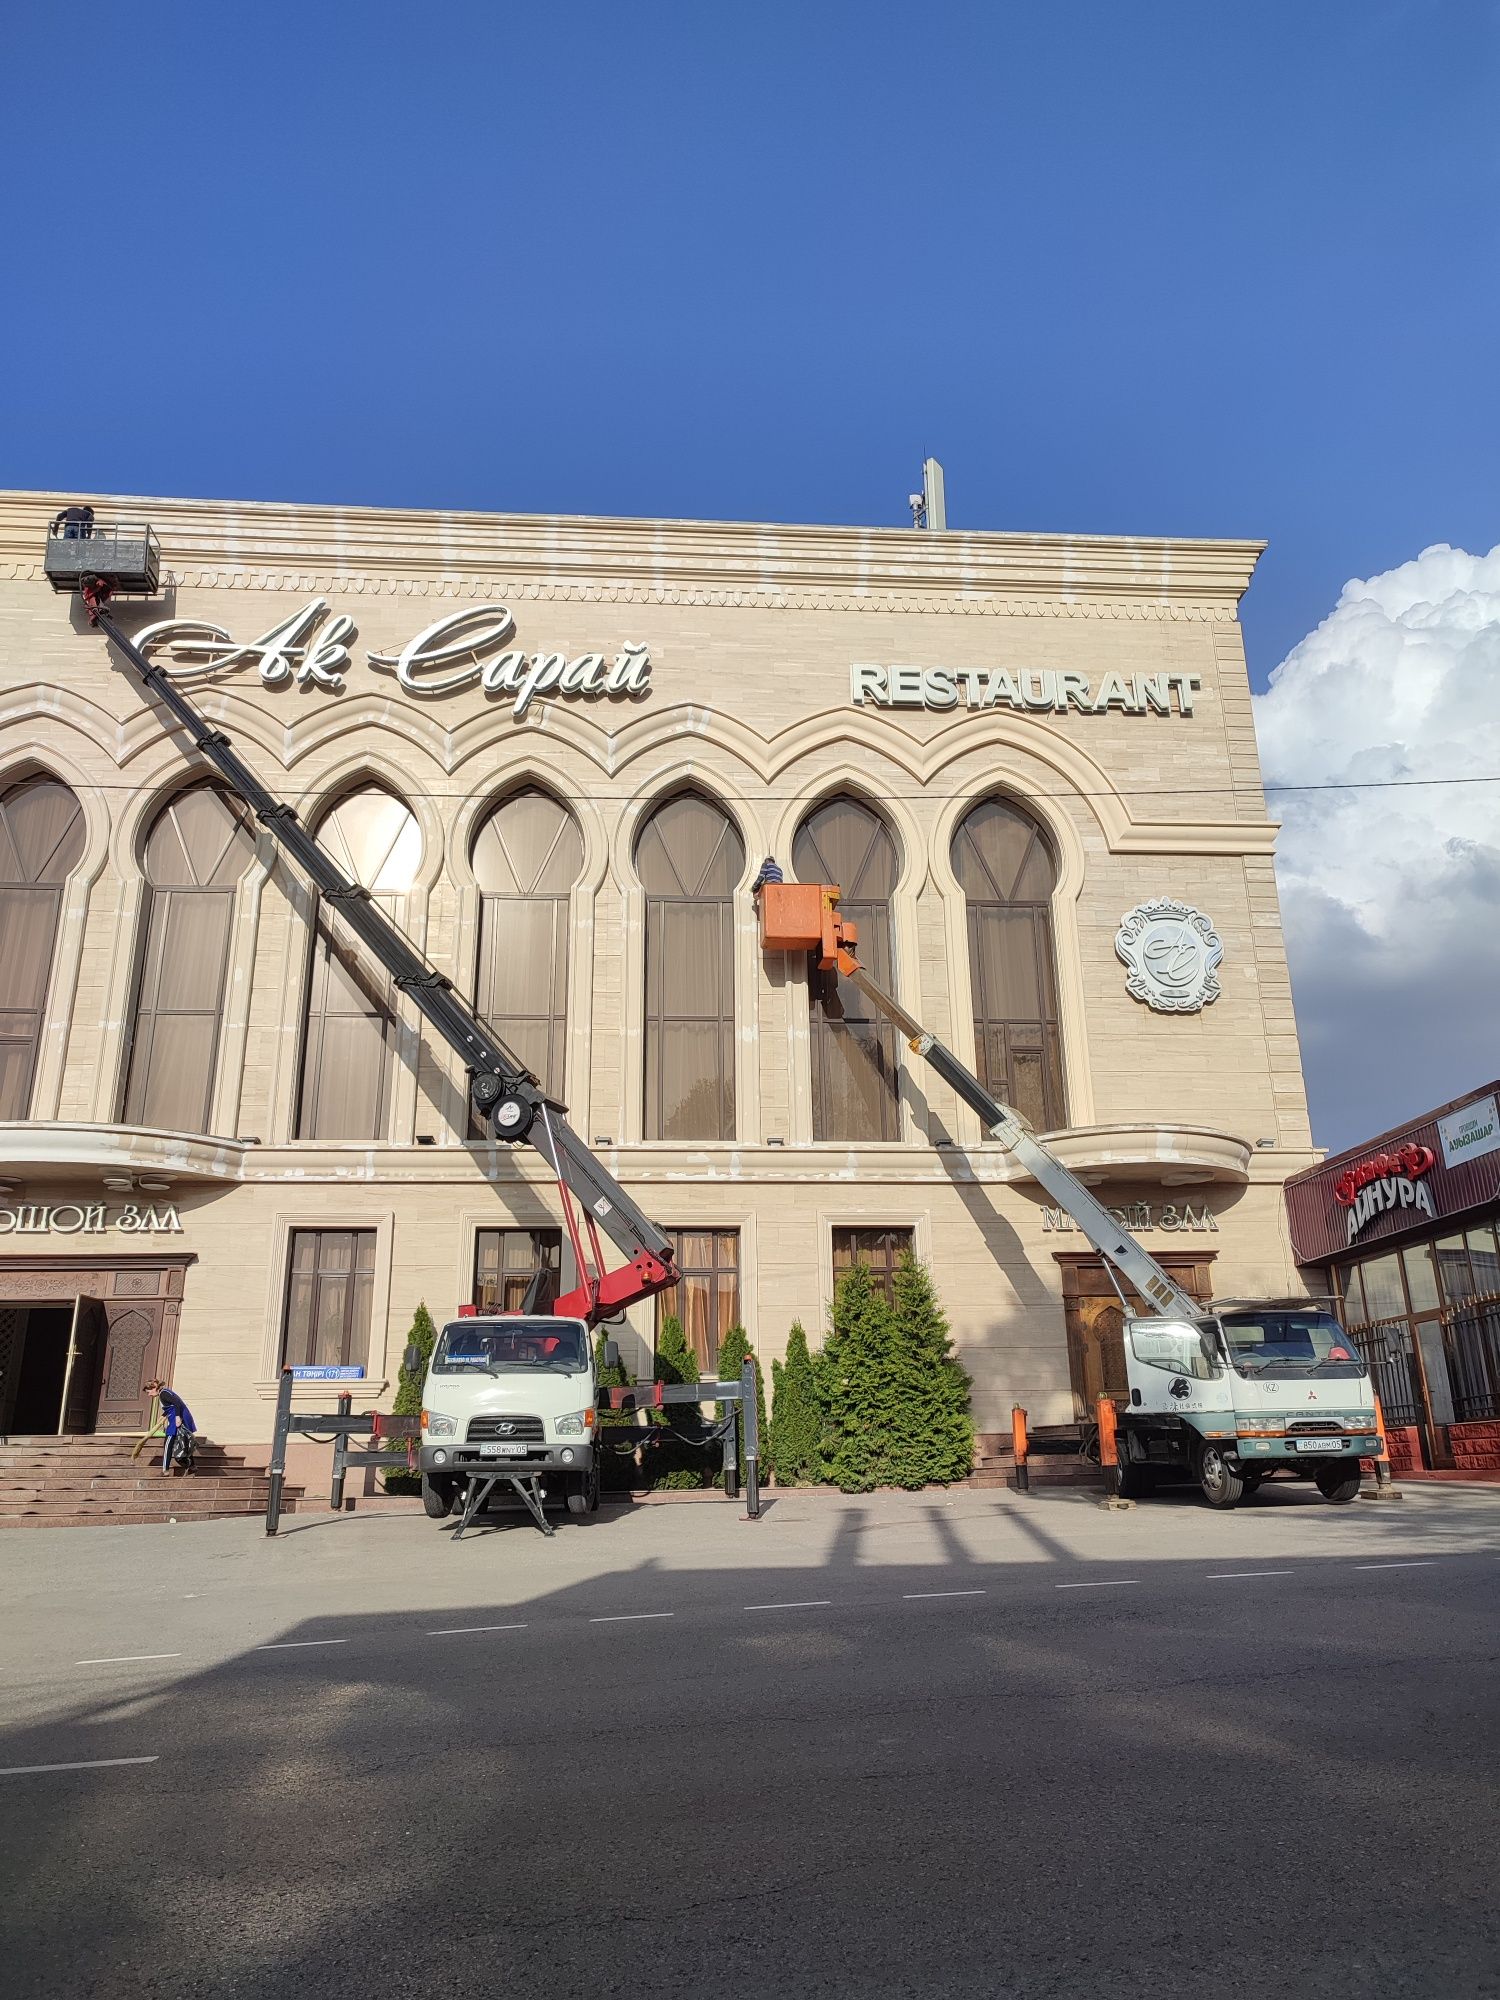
(690, 860)
(1005, 869)
(350, 1038)
(855, 1077)
(41, 842)
(527, 856)
(198, 848)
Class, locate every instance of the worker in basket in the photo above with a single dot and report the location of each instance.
(181, 1429)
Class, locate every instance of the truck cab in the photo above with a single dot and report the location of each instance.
(510, 1393)
(1247, 1391)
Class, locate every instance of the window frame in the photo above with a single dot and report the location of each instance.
(671, 1301)
(31, 893)
(361, 1234)
(546, 1245)
(885, 1269)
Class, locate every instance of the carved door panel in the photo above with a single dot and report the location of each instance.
(85, 1357)
(130, 1358)
(1096, 1325)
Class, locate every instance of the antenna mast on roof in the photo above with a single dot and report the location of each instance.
(929, 509)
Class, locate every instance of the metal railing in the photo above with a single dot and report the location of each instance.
(1471, 1341)
(1385, 1347)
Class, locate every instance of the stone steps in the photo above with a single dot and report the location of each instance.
(76, 1482)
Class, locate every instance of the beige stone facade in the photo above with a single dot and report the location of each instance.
(754, 635)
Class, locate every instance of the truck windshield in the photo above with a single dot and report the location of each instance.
(1279, 1346)
(468, 1347)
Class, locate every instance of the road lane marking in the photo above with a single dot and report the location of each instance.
(125, 1659)
(1234, 1575)
(1425, 1563)
(93, 1764)
(1107, 1583)
(291, 1645)
(457, 1631)
(909, 1595)
(799, 1604)
(628, 1617)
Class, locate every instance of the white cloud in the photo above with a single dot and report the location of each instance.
(1391, 897)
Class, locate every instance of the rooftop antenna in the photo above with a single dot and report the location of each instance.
(929, 508)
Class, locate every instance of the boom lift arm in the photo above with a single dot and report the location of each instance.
(503, 1089)
(791, 920)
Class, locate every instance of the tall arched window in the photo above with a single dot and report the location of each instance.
(527, 856)
(198, 848)
(350, 1040)
(855, 1077)
(690, 860)
(41, 843)
(1005, 869)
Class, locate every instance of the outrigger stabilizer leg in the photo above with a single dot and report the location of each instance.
(529, 1491)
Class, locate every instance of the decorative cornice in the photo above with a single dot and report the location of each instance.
(374, 552)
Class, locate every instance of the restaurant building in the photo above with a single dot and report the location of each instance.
(1401, 1231)
(557, 750)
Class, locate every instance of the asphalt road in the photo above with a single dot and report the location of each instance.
(974, 1746)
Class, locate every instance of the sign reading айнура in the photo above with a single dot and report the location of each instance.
(1029, 690)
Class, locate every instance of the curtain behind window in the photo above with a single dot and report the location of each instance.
(198, 848)
(41, 843)
(527, 857)
(855, 1071)
(690, 859)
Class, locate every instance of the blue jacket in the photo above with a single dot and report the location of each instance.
(176, 1411)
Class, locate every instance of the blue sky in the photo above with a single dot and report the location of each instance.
(1158, 269)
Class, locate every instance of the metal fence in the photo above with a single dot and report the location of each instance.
(1385, 1346)
(1471, 1340)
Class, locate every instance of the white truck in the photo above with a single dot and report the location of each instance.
(510, 1397)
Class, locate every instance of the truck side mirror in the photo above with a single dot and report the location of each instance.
(411, 1360)
(611, 1354)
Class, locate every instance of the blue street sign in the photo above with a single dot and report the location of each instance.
(328, 1374)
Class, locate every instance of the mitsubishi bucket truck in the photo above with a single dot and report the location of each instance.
(1224, 1397)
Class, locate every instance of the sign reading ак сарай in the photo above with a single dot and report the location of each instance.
(1028, 689)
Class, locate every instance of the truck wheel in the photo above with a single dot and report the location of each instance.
(1338, 1483)
(437, 1497)
(1221, 1487)
(583, 1494)
(1133, 1482)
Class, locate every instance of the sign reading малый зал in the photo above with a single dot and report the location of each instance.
(465, 648)
(1027, 689)
(1467, 1133)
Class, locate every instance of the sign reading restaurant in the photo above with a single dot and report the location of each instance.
(1028, 689)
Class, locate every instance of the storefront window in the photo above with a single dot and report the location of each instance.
(855, 1071)
(690, 859)
(706, 1297)
(1005, 870)
(1485, 1259)
(1453, 1265)
(1351, 1293)
(879, 1250)
(505, 1263)
(350, 1040)
(328, 1298)
(41, 843)
(197, 850)
(527, 857)
(1385, 1296)
(1421, 1278)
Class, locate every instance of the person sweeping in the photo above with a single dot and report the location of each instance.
(179, 1419)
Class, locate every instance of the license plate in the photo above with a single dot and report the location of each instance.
(1320, 1444)
(502, 1451)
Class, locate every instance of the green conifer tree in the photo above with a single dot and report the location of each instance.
(679, 1463)
(409, 1386)
(931, 1439)
(860, 1381)
(734, 1349)
(796, 1414)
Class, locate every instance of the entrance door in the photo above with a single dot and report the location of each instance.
(1096, 1323)
(131, 1353)
(38, 1369)
(85, 1355)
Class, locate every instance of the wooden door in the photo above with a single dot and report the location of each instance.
(132, 1350)
(1095, 1322)
(85, 1358)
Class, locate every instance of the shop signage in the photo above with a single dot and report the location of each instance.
(1171, 953)
(328, 1374)
(73, 1218)
(1384, 1182)
(466, 648)
(1466, 1134)
(1142, 1215)
(1025, 689)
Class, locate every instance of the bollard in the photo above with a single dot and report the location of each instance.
(1385, 1486)
(278, 1452)
(1020, 1445)
(1109, 1455)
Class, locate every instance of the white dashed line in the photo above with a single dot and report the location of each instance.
(1107, 1583)
(909, 1595)
(457, 1631)
(801, 1604)
(1426, 1563)
(1234, 1575)
(291, 1645)
(93, 1764)
(125, 1659)
(628, 1617)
